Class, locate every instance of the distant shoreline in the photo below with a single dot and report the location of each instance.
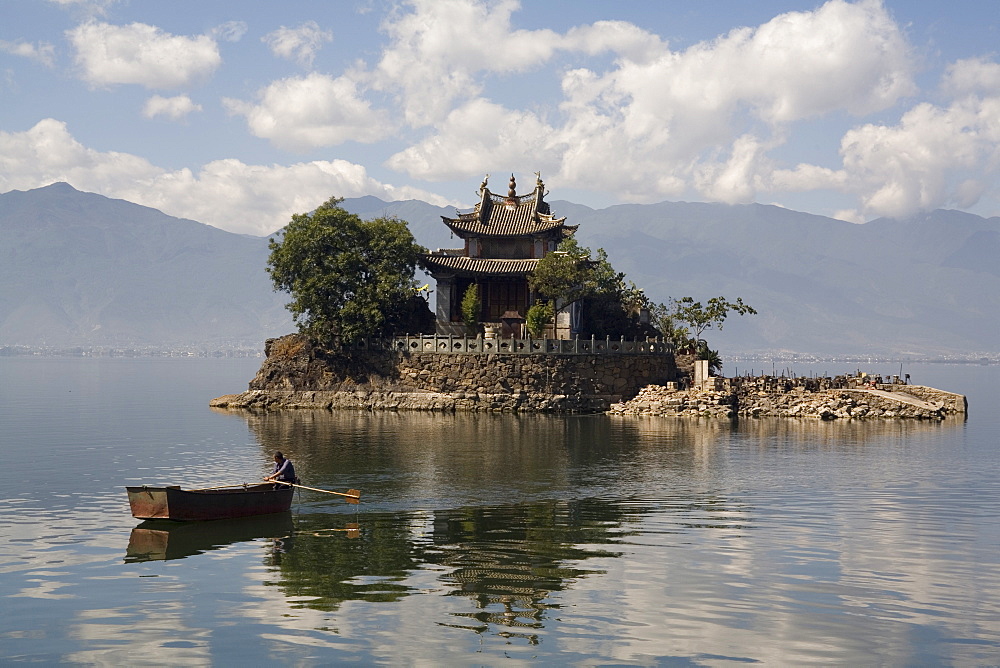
(152, 352)
(738, 360)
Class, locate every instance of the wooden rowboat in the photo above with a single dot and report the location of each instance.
(174, 503)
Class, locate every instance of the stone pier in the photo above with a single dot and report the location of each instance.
(776, 397)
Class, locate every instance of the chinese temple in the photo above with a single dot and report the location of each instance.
(504, 238)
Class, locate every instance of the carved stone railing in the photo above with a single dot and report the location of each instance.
(451, 344)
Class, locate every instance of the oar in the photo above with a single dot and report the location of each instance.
(353, 495)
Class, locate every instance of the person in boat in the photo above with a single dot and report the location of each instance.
(283, 470)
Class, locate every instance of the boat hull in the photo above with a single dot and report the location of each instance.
(174, 503)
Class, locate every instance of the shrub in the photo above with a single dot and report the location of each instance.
(471, 306)
(539, 315)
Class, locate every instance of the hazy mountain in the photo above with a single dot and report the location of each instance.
(82, 269)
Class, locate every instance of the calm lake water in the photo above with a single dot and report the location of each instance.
(492, 540)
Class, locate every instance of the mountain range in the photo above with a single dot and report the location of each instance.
(80, 269)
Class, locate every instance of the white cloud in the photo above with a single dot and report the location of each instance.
(808, 177)
(439, 47)
(440, 50)
(656, 122)
(968, 192)
(47, 153)
(299, 44)
(800, 64)
(935, 156)
(43, 52)
(229, 194)
(258, 199)
(479, 137)
(673, 116)
(973, 75)
(141, 54)
(90, 7)
(174, 108)
(849, 216)
(902, 169)
(620, 37)
(301, 113)
(230, 31)
(630, 116)
(737, 180)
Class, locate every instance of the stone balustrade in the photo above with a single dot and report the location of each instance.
(452, 344)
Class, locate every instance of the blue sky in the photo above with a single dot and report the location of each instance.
(238, 114)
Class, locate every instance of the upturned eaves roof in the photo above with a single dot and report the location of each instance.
(496, 216)
(475, 266)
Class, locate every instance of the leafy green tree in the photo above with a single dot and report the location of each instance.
(700, 318)
(684, 321)
(610, 304)
(663, 318)
(348, 278)
(615, 309)
(566, 275)
(539, 315)
(472, 305)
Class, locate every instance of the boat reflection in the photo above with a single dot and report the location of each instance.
(163, 540)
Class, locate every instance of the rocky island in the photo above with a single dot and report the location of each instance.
(433, 373)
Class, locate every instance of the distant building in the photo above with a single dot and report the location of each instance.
(505, 237)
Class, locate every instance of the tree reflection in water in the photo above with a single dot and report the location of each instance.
(506, 560)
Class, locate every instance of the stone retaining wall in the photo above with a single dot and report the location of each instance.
(298, 375)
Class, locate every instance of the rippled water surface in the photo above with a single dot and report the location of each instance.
(491, 540)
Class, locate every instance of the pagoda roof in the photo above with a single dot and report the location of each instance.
(511, 215)
(477, 266)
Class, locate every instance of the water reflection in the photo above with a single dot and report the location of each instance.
(410, 457)
(320, 569)
(155, 540)
(444, 461)
(481, 539)
(498, 525)
(504, 562)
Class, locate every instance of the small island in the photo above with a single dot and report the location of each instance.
(449, 373)
(526, 320)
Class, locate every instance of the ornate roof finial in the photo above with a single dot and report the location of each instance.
(482, 186)
(512, 191)
(538, 181)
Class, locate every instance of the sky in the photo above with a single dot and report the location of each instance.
(240, 114)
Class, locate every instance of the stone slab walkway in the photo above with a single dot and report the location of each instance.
(901, 397)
